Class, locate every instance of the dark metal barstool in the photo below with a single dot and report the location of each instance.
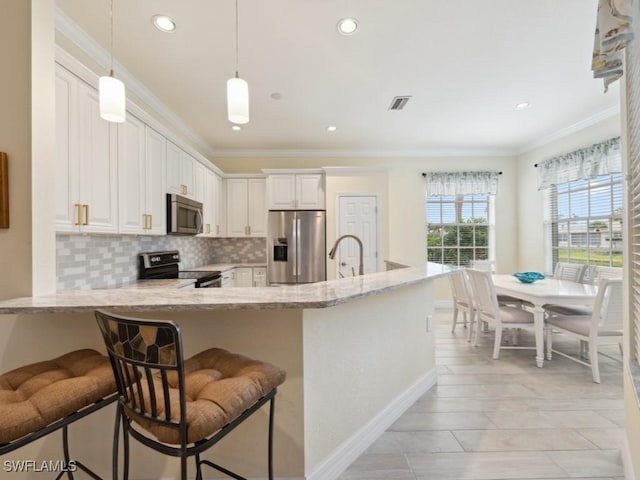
(182, 407)
(40, 398)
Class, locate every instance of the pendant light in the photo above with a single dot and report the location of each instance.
(237, 92)
(111, 90)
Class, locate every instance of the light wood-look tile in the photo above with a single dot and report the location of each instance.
(504, 419)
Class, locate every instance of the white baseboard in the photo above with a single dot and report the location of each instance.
(343, 456)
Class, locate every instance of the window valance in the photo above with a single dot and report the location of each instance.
(598, 159)
(461, 183)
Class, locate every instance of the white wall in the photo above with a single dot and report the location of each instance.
(530, 255)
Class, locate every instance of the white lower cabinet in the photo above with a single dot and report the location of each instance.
(227, 279)
(243, 277)
(259, 276)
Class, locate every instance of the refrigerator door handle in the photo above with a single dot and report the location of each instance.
(296, 251)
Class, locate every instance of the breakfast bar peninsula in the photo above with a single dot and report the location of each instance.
(357, 351)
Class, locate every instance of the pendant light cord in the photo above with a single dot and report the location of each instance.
(111, 33)
(236, 38)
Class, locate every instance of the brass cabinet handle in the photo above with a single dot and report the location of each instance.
(77, 208)
(208, 228)
(183, 189)
(144, 221)
(86, 214)
(217, 229)
(150, 221)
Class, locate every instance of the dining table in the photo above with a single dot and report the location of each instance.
(543, 292)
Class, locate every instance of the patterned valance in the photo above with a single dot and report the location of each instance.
(598, 159)
(461, 183)
(614, 31)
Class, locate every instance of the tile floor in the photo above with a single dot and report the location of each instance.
(504, 419)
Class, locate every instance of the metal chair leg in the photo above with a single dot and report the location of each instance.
(271, 414)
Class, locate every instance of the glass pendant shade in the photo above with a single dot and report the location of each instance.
(238, 100)
(112, 99)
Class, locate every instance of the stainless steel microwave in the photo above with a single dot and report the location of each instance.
(184, 216)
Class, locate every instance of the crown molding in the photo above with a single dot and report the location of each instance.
(101, 56)
(571, 129)
(413, 153)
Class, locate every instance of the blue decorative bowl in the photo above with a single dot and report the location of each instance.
(528, 277)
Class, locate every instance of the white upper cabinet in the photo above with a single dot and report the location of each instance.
(181, 172)
(141, 178)
(295, 191)
(246, 212)
(86, 160)
(212, 205)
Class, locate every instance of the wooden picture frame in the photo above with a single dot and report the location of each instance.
(4, 190)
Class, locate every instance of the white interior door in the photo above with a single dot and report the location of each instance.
(357, 215)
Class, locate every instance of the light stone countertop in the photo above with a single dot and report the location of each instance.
(169, 298)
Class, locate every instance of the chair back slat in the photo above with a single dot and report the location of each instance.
(165, 391)
(147, 355)
(608, 308)
(152, 392)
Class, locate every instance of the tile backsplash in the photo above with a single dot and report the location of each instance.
(85, 262)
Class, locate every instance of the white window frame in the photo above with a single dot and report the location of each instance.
(490, 226)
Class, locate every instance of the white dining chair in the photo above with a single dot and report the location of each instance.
(596, 274)
(573, 272)
(489, 310)
(490, 266)
(462, 301)
(602, 326)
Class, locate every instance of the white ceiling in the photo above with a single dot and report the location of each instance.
(465, 63)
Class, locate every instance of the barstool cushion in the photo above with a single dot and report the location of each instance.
(219, 386)
(35, 395)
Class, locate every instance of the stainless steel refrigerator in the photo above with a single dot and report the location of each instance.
(296, 246)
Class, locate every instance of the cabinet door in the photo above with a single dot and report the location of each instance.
(217, 206)
(257, 211)
(156, 204)
(131, 176)
(310, 191)
(243, 277)
(98, 165)
(173, 169)
(67, 168)
(259, 277)
(237, 196)
(281, 190)
(199, 180)
(187, 175)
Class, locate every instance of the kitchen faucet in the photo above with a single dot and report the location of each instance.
(332, 252)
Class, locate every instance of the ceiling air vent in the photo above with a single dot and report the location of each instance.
(398, 103)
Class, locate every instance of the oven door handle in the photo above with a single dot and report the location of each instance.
(213, 283)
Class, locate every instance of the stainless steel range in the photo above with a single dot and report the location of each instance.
(163, 265)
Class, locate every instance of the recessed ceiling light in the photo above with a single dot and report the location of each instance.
(276, 96)
(522, 105)
(331, 128)
(236, 128)
(163, 23)
(347, 26)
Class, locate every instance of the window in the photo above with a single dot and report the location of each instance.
(583, 221)
(459, 228)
